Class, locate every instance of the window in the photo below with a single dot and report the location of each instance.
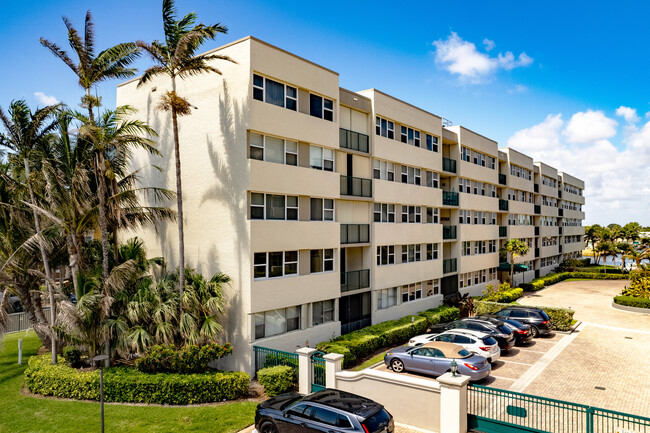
(321, 107)
(432, 251)
(275, 264)
(464, 217)
(432, 287)
(432, 143)
(322, 209)
(321, 158)
(479, 247)
(492, 246)
(411, 214)
(385, 128)
(386, 255)
(466, 249)
(411, 253)
(464, 185)
(273, 149)
(386, 298)
(410, 136)
(432, 179)
(383, 170)
(275, 93)
(411, 175)
(274, 207)
(465, 154)
(411, 292)
(276, 322)
(322, 312)
(384, 213)
(321, 260)
(432, 215)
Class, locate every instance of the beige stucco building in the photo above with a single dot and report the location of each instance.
(332, 209)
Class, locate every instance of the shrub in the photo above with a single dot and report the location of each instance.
(560, 317)
(504, 294)
(547, 280)
(276, 380)
(599, 270)
(128, 385)
(632, 301)
(72, 355)
(639, 285)
(165, 358)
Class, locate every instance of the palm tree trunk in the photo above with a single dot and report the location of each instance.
(73, 260)
(103, 223)
(179, 204)
(46, 262)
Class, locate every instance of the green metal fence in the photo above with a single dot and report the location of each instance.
(265, 357)
(318, 372)
(493, 410)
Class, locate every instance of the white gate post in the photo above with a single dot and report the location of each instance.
(333, 363)
(453, 403)
(304, 369)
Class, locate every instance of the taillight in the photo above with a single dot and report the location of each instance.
(485, 349)
(519, 331)
(545, 322)
(473, 367)
(412, 341)
(365, 428)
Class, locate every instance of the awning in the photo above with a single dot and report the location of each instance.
(518, 267)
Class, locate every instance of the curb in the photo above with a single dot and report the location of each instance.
(636, 310)
(570, 331)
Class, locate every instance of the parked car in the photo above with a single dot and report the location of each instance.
(435, 358)
(494, 328)
(523, 333)
(14, 303)
(329, 410)
(474, 341)
(540, 323)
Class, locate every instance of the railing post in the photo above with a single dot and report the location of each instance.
(305, 372)
(20, 351)
(590, 420)
(453, 403)
(333, 364)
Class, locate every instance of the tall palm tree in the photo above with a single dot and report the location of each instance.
(176, 58)
(607, 248)
(91, 70)
(514, 248)
(25, 131)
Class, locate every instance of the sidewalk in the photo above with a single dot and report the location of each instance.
(399, 428)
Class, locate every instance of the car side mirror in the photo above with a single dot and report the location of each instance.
(286, 414)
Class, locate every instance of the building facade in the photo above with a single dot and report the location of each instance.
(332, 210)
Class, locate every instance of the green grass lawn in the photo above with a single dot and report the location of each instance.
(19, 413)
(372, 361)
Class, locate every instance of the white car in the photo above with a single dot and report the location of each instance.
(474, 341)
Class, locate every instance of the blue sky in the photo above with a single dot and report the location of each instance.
(577, 96)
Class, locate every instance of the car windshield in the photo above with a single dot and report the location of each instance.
(464, 353)
(290, 402)
(504, 329)
(489, 341)
(377, 421)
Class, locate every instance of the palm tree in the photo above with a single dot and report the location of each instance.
(514, 248)
(176, 58)
(624, 248)
(607, 248)
(91, 70)
(25, 131)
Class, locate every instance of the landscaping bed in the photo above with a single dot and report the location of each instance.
(547, 280)
(562, 318)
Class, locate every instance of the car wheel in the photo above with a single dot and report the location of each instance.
(534, 331)
(268, 427)
(397, 366)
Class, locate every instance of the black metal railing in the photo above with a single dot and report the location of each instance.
(503, 204)
(355, 280)
(502, 179)
(503, 231)
(449, 165)
(449, 265)
(449, 232)
(353, 140)
(449, 198)
(355, 233)
(538, 209)
(356, 186)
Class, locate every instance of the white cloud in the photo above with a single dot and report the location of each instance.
(45, 99)
(616, 188)
(590, 126)
(461, 58)
(519, 88)
(629, 114)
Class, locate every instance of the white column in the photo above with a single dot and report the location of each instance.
(453, 403)
(304, 369)
(333, 363)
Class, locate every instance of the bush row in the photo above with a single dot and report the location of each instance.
(505, 296)
(599, 270)
(128, 385)
(560, 317)
(547, 280)
(166, 358)
(632, 301)
(276, 380)
(363, 342)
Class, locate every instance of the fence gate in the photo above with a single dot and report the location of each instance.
(493, 410)
(317, 371)
(265, 357)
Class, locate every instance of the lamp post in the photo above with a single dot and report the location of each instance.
(100, 359)
(453, 367)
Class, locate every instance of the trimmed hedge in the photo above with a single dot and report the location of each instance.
(276, 380)
(363, 342)
(505, 296)
(547, 280)
(599, 270)
(128, 385)
(632, 301)
(166, 358)
(560, 317)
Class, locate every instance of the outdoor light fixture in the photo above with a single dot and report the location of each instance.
(100, 359)
(453, 367)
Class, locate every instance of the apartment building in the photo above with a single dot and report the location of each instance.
(332, 210)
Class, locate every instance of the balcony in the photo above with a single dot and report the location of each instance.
(356, 186)
(355, 233)
(538, 209)
(449, 198)
(503, 231)
(355, 280)
(448, 232)
(502, 179)
(449, 165)
(503, 205)
(449, 266)
(353, 140)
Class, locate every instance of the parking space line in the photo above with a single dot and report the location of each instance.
(532, 351)
(514, 362)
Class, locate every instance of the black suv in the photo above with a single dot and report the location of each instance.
(492, 327)
(522, 332)
(540, 323)
(329, 410)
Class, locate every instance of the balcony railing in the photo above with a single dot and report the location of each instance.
(355, 233)
(449, 165)
(502, 179)
(353, 140)
(449, 198)
(449, 266)
(449, 232)
(356, 186)
(503, 204)
(503, 231)
(538, 209)
(355, 280)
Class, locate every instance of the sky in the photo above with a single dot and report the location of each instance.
(565, 82)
